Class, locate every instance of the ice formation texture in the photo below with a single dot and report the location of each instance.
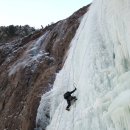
(98, 63)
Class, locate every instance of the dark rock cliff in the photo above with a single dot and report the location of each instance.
(27, 70)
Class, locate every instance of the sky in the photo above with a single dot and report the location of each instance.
(37, 12)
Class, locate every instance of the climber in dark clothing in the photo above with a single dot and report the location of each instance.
(69, 98)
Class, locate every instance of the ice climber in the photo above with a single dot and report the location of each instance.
(69, 98)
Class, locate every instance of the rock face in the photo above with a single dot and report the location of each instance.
(27, 70)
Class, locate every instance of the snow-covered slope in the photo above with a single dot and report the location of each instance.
(98, 63)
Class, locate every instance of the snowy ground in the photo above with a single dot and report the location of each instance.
(98, 63)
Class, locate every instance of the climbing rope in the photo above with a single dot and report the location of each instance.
(73, 69)
(60, 117)
(57, 128)
(74, 83)
(74, 51)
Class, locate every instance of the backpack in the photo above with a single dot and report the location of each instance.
(66, 95)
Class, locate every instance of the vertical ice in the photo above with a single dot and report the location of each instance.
(98, 63)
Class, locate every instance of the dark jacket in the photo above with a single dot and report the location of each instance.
(68, 94)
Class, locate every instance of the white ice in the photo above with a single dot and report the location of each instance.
(98, 63)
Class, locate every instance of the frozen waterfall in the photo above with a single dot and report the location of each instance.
(98, 63)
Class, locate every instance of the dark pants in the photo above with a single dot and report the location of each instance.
(69, 101)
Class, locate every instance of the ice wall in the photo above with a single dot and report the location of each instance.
(98, 63)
